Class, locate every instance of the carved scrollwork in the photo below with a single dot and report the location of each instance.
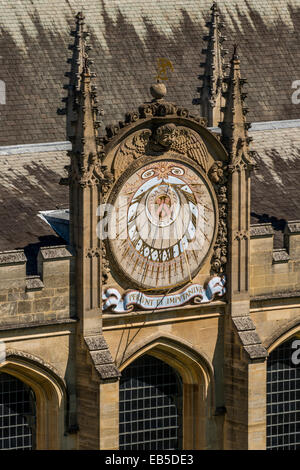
(155, 108)
(133, 116)
(107, 180)
(218, 176)
(105, 264)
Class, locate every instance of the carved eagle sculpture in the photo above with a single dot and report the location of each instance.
(133, 148)
(189, 143)
(166, 137)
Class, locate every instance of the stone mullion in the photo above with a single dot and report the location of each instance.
(243, 237)
(95, 288)
(239, 236)
(233, 226)
(88, 260)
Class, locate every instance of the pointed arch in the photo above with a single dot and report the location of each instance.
(50, 393)
(281, 334)
(282, 390)
(196, 373)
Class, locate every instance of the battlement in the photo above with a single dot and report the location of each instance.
(45, 297)
(274, 271)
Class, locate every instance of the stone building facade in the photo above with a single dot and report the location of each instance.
(120, 342)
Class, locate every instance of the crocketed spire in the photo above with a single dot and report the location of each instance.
(211, 91)
(234, 126)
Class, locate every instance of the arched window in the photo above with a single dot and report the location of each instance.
(17, 414)
(150, 406)
(283, 398)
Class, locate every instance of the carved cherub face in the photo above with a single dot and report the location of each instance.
(216, 172)
(165, 135)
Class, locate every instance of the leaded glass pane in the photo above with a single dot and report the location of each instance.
(283, 399)
(150, 406)
(17, 414)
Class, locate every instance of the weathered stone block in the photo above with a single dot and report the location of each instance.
(59, 303)
(101, 357)
(243, 323)
(62, 290)
(34, 283)
(13, 272)
(50, 316)
(13, 296)
(24, 307)
(39, 317)
(95, 343)
(56, 252)
(46, 292)
(249, 337)
(280, 256)
(9, 308)
(256, 351)
(42, 305)
(57, 280)
(108, 371)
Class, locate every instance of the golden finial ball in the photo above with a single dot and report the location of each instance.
(158, 90)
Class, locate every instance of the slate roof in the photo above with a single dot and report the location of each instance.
(30, 183)
(275, 192)
(127, 38)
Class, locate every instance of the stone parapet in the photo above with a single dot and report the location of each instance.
(274, 270)
(36, 299)
(292, 238)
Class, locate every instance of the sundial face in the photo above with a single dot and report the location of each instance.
(163, 225)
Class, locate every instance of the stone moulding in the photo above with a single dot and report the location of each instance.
(56, 252)
(51, 323)
(12, 257)
(34, 283)
(261, 230)
(280, 256)
(277, 295)
(287, 329)
(13, 353)
(293, 226)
